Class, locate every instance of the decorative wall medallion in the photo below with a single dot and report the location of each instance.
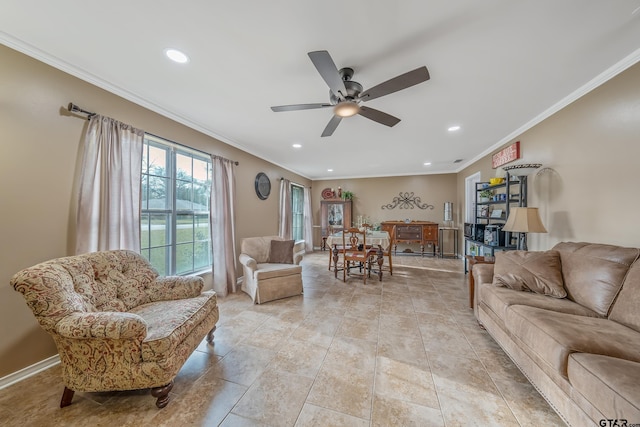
(328, 193)
(263, 186)
(407, 201)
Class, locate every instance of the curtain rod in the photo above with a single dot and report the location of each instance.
(73, 108)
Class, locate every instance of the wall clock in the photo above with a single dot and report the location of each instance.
(263, 186)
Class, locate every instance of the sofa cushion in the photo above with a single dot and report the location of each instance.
(175, 287)
(169, 322)
(281, 252)
(500, 299)
(538, 272)
(593, 273)
(625, 308)
(269, 271)
(258, 247)
(553, 336)
(610, 384)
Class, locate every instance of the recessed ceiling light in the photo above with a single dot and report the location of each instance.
(297, 145)
(176, 56)
(329, 170)
(454, 128)
(427, 163)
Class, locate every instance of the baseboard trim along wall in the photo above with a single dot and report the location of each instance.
(29, 371)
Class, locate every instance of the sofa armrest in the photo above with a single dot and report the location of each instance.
(298, 251)
(175, 287)
(482, 274)
(102, 324)
(248, 262)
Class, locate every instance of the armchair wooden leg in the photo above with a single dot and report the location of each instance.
(67, 397)
(162, 393)
(210, 335)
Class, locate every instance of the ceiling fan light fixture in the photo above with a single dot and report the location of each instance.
(346, 109)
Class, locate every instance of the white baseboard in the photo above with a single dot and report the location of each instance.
(28, 371)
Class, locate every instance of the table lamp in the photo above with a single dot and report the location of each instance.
(524, 220)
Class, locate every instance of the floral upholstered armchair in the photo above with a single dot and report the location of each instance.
(117, 324)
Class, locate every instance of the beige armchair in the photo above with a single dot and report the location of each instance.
(116, 324)
(271, 270)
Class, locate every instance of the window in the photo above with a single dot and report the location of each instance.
(176, 187)
(297, 212)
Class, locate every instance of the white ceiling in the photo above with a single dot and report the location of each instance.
(497, 67)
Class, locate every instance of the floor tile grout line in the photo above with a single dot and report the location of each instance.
(435, 386)
(375, 366)
(318, 373)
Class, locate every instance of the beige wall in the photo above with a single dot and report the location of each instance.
(373, 193)
(39, 146)
(587, 189)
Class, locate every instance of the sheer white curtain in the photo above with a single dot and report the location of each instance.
(308, 220)
(223, 200)
(284, 228)
(109, 199)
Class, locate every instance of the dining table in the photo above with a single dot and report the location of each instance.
(374, 238)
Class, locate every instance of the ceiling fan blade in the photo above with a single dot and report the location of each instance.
(332, 125)
(395, 84)
(299, 107)
(378, 116)
(329, 72)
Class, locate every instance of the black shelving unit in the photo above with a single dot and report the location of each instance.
(511, 193)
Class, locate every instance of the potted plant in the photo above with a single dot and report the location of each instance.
(347, 195)
(485, 195)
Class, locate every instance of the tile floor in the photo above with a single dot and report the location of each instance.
(406, 351)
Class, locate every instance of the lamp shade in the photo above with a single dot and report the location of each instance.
(524, 220)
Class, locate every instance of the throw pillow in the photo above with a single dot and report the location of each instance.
(281, 252)
(539, 272)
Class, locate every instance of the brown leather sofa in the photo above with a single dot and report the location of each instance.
(582, 351)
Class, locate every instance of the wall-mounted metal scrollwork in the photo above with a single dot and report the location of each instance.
(407, 201)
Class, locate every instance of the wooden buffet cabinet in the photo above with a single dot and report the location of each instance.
(422, 232)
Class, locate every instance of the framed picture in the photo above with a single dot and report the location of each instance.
(484, 211)
(336, 215)
(496, 213)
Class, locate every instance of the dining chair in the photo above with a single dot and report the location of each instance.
(336, 247)
(356, 254)
(385, 252)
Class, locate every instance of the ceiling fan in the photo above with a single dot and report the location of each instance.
(346, 96)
